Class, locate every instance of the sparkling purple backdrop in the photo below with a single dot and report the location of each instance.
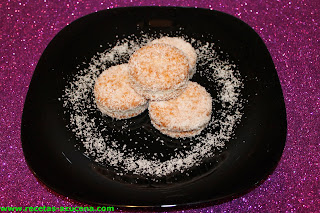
(290, 30)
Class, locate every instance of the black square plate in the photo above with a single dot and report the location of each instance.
(51, 149)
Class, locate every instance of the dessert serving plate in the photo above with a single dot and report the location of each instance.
(58, 153)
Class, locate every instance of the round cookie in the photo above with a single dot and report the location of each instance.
(159, 71)
(185, 116)
(185, 47)
(115, 97)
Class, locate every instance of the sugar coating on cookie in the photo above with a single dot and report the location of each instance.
(159, 71)
(115, 97)
(184, 116)
(185, 47)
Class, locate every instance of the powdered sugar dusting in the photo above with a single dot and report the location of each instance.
(98, 141)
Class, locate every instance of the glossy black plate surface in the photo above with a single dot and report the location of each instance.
(52, 150)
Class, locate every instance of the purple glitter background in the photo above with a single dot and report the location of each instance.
(290, 30)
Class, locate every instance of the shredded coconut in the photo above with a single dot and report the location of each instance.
(184, 46)
(98, 138)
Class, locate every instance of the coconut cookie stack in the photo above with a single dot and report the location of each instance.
(159, 73)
